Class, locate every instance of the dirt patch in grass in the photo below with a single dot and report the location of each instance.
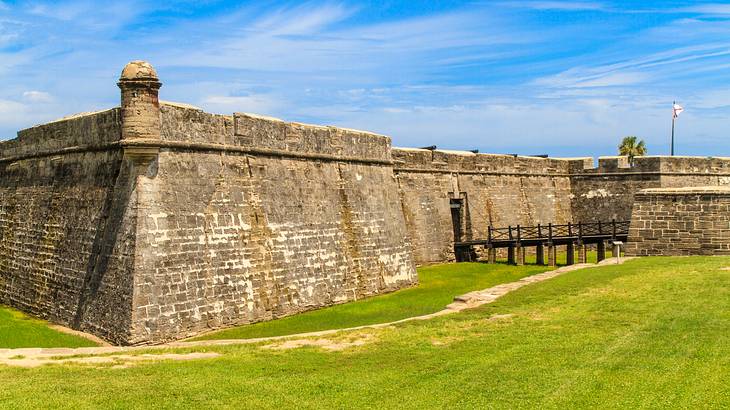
(327, 344)
(496, 318)
(89, 336)
(121, 361)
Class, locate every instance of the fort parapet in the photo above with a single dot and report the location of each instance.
(156, 221)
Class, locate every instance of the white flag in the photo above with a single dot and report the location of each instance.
(676, 110)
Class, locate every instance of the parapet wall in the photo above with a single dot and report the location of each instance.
(83, 132)
(680, 221)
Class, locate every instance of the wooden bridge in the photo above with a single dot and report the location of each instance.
(573, 236)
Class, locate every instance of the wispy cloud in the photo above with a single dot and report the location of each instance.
(558, 5)
(248, 103)
(709, 8)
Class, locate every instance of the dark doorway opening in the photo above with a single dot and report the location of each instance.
(456, 206)
(462, 254)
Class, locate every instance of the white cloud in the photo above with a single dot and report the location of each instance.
(259, 104)
(558, 5)
(711, 99)
(709, 8)
(10, 109)
(37, 97)
(12, 115)
(301, 20)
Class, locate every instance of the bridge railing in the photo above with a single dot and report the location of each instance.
(559, 231)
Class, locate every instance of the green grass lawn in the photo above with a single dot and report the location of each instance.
(20, 330)
(652, 333)
(561, 257)
(437, 288)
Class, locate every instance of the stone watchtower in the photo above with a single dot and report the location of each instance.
(140, 109)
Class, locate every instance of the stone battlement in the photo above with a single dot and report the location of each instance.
(464, 161)
(85, 131)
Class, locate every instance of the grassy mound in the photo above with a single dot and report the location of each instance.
(19, 330)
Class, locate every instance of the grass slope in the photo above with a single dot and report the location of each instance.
(20, 330)
(437, 288)
(650, 333)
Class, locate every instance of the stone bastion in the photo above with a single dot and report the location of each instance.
(156, 221)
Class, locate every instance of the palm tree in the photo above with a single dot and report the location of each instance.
(630, 148)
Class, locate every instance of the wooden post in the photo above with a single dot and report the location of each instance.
(491, 254)
(520, 254)
(520, 250)
(552, 255)
(601, 251)
(550, 232)
(582, 256)
(570, 253)
(511, 254)
(613, 234)
(580, 231)
(540, 254)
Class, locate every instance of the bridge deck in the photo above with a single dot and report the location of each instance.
(519, 237)
(591, 232)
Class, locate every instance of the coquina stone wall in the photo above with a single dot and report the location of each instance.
(152, 222)
(502, 190)
(607, 191)
(67, 225)
(251, 218)
(497, 190)
(680, 221)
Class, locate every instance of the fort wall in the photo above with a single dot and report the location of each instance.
(497, 190)
(607, 191)
(156, 221)
(680, 221)
(251, 218)
(67, 225)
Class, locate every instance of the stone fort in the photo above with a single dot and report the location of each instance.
(156, 221)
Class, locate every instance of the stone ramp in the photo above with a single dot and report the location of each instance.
(481, 297)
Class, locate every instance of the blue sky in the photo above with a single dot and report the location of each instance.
(565, 78)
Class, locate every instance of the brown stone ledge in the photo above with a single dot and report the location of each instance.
(188, 146)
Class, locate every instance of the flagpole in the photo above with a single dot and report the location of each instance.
(673, 117)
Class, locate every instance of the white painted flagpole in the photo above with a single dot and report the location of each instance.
(673, 117)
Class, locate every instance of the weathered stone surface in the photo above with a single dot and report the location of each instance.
(497, 190)
(67, 228)
(151, 222)
(680, 221)
(234, 237)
